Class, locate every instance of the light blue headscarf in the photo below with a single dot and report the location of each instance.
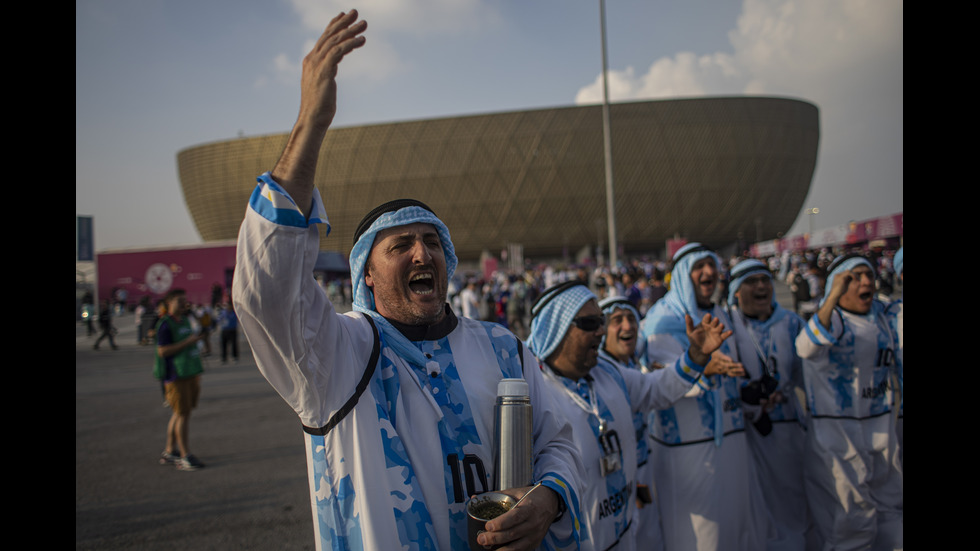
(844, 266)
(364, 296)
(549, 325)
(899, 260)
(744, 270)
(681, 298)
(668, 313)
(609, 305)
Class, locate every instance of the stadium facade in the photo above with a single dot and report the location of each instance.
(714, 170)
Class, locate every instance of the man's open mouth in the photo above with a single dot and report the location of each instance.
(422, 284)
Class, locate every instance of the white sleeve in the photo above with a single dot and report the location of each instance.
(310, 354)
(815, 339)
(663, 348)
(661, 388)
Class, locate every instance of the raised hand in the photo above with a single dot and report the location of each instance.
(296, 168)
(705, 340)
(318, 100)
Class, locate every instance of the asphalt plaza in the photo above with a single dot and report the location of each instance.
(253, 492)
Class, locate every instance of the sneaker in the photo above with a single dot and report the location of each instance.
(167, 458)
(189, 463)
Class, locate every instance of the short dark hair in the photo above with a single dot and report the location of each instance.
(172, 294)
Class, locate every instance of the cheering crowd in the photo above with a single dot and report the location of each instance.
(695, 421)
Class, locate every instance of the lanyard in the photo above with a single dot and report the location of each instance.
(763, 355)
(592, 407)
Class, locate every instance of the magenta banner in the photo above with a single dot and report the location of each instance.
(854, 233)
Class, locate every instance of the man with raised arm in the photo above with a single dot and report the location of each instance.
(601, 398)
(706, 484)
(396, 398)
(853, 473)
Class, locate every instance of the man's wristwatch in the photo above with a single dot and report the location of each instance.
(561, 509)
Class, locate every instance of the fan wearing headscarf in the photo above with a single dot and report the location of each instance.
(765, 335)
(600, 398)
(619, 347)
(720, 507)
(853, 474)
(896, 313)
(396, 398)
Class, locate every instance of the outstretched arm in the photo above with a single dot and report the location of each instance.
(318, 104)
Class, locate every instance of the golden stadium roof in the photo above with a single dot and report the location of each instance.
(707, 169)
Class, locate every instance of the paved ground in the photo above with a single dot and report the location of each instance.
(252, 494)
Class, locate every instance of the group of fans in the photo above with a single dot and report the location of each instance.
(701, 425)
(799, 391)
(804, 451)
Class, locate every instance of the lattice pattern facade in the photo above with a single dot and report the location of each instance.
(710, 169)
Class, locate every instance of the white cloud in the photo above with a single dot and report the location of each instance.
(686, 74)
(802, 47)
(846, 56)
(815, 44)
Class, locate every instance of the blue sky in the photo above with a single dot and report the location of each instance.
(153, 77)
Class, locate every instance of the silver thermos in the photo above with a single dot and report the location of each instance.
(512, 436)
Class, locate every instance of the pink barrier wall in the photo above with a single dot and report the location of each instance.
(155, 272)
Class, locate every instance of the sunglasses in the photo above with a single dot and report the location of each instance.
(589, 323)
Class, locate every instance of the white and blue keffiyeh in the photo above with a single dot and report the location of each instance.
(549, 325)
(681, 299)
(364, 296)
(609, 305)
(744, 270)
(844, 266)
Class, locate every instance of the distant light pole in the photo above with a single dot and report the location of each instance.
(811, 212)
(607, 140)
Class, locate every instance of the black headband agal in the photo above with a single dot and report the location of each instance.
(749, 269)
(390, 206)
(696, 249)
(677, 258)
(842, 259)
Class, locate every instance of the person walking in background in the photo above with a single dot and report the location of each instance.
(228, 323)
(105, 323)
(178, 365)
